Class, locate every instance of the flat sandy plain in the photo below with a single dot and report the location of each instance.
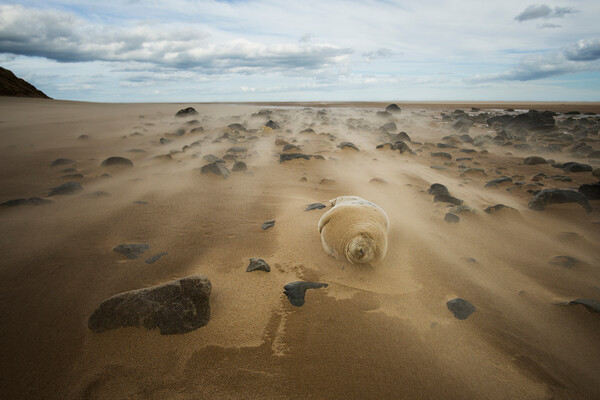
(376, 332)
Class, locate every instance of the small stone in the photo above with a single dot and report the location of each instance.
(438, 188)
(327, 181)
(393, 108)
(348, 145)
(239, 166)
(66, 188)
(272, 124)
(496, 208)
(120, 161)
(295, 291)
(315, 206)
(293, 156)
(186, 112)
(496, 182)
(215, 168)
(451, 218)
(564, 261)
(461, 308)
(237, 127)
(237, 150)
(131, 251)
(258, 264)
(156, 257)
(534, 160)
(268, 224)
(441, 154)
(61, 161)
(32, 201)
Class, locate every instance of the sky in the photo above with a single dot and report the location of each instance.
(309, 50)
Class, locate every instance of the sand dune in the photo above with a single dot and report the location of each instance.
(380, 331)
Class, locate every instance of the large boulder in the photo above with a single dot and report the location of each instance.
(186, 112)
(176, 307)
(558, 196)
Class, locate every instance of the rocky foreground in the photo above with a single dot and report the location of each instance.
(172, 251)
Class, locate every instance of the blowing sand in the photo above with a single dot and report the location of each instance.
(381, 331)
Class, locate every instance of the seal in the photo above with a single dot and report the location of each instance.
(354, 229)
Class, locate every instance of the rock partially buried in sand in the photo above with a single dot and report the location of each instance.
(239, 166)
(156, 257)
(176, 307)
(132, 251)
(61, 161)
(66, 188)
(354, 229)
(215, 168)
(590, 190)
(186, 112)
(32, 201)
(268, 224)
(295, 291)
(461, 308)
(451, 218)
(315, 206)
(441, 154)
(534, 160)
(348, 145)
(393, 108)
(496, 208)
(258, 264)
(293, 156)
(558, 196)
(564, 261)
(589, 304)
(117, 161)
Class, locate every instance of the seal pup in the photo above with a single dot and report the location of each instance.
(354, 229)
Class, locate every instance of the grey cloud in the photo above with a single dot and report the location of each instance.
(379, 53)
(548, 25)
(536, 11)
(581, 57)
(60, 37)
(584, 50)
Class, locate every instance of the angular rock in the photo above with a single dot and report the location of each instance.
(590, 190)
(400, 136)
(176, 307)
(186, 112)
(315, 206)
(272, 124)
(132, 251)
(268, 224)
(120, 161)
(295, 291)
(215, 168)
(155, 257)
(461, 308)
(66, 188)
(258, 264)
(547, 197)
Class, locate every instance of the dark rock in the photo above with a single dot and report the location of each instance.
(132, 250)
(121, 161)
(186, 112)
(594, 154)
(156, 257)
(349, 145)
(496, 182)
(461, 308)
(441, 154)
(237, 150)
(467, 151)
(268, 224)
(393, 108)
(589, 304)
(197, 130)
(61, 161)
(451, 218)
(564, 261)
(315, 206)
(295, 291)
(534, 160)
(389, 127)
(590, 190)
(32, 201)
(596, 172)
(66, 188)
(446, 198)
(212, 159)
(215, 168)
(307, 130)
(237, 127)
(401, 147)
(383, 114)
(272, 124)
(258, 264)
(288, 147)
(164, 141)
(561, 178)
(176, 307)
(438, 189)
(464, 159)
(573, 166)
(97, 194)
(462, 125)
(400, 136)
(520, 125)
(496, 208)
(72, 176)
(239, 166)
(558, 196)
(445, 146)
(83, 137)
(293, 156)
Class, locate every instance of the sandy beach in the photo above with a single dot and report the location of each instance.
(382, 331)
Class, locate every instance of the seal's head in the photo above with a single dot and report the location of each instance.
(361, 250)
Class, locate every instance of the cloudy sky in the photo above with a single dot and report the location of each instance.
(268, 50)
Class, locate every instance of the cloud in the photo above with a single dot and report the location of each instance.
(584, 50)
(536, 11)
(379, 53)
(580, 57)
(548, 25)
(65, 38)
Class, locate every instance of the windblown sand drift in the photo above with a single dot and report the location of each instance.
(489, 287)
